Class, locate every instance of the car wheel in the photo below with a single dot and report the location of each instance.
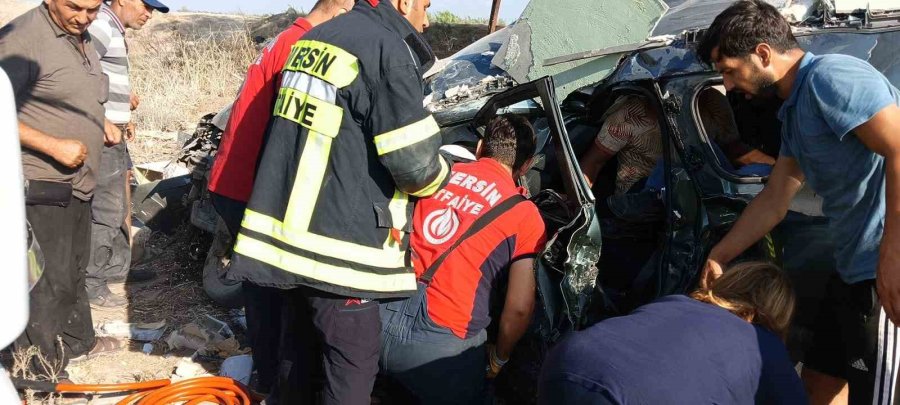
(224, 292)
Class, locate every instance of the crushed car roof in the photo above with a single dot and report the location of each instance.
(583, 43)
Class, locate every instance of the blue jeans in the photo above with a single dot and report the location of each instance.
(432, 363)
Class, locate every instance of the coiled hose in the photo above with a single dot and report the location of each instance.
(218, 390)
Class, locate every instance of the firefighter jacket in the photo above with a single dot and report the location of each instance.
(349, 144)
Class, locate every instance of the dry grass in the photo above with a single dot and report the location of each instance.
(185, 65)
(183, 71)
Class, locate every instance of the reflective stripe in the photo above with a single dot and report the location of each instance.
(308, 182)
(340, 276)
(392, 258)
(327, 62)
(313, 86)
(436, 184)
(397, 207)
(310, 112)
(408, 135)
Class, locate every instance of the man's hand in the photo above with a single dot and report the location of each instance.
(69, 152)
(887, 281)
(113, 135)
(711, 271)
(135, 101)
(495, 364)
(130, 132)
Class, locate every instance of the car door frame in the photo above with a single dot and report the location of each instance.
(565, 303)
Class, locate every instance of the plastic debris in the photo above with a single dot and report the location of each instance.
(216, 327)
(142, 332)
(238, 368)
(189, 337)
(189, 369)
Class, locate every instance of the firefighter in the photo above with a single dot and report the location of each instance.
(231, 182)
(348, 148)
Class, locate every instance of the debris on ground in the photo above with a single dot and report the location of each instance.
(142, 332)
(239, 368)
(187, 368)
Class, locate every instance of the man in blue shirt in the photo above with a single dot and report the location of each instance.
(841, 122)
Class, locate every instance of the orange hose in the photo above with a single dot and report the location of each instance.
(138, 386)
(220, 390)
(224, 389)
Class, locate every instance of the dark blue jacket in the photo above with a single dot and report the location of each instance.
(675, 350)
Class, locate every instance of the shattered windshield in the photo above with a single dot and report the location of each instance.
(469, 67)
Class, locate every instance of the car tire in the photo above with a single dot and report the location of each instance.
(226, 293)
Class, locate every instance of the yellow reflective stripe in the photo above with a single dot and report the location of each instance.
(408, 135)
(308, 182)
(308, 111)
(385, 258)
(436, 184)
(340, 276)
(397, 207)
(327, 62)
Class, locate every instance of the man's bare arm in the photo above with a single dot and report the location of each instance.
(760, 216)
(593, 161)
(68, 152)
(880, 135)
(518, 307)
(753, 156)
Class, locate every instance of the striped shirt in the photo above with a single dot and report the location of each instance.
(109, 39)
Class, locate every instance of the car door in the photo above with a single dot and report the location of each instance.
(704, 199)
(566, 272)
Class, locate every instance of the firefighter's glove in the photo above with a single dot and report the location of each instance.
(494, 363)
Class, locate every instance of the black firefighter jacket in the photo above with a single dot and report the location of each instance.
(349, 144)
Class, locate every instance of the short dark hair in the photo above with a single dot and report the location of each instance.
(509, 139)
(744, 25)
(330, 4)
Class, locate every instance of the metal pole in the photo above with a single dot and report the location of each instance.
(495, 13)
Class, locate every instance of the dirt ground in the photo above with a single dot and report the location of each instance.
(175, 296)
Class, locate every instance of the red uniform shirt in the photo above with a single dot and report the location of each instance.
(459, 293)
(233, 172)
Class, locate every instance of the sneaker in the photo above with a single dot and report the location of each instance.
(108, 300)
(102, 345)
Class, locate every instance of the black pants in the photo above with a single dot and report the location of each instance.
(110, 256)
(264, 310)
(59, 304)
(263, 306)
(349, 330)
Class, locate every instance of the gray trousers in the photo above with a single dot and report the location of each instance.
(110, 256)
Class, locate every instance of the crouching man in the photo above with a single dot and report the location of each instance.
(467, 237)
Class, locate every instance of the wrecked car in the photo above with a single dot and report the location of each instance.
(563, 68)
(583, 275)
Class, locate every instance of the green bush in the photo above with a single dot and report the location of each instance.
(448, 18)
